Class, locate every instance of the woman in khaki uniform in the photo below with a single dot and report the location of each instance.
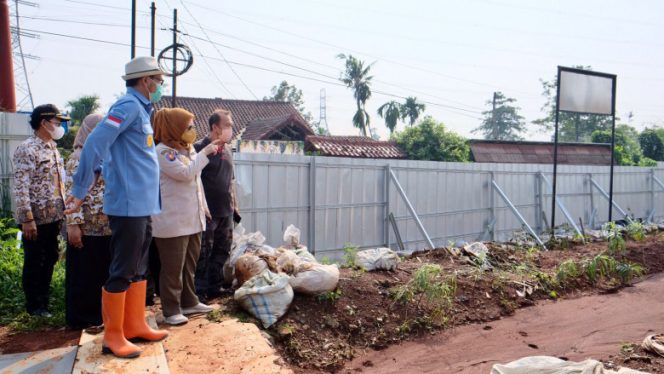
(177, 229)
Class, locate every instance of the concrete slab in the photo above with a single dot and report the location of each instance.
(91, 360)
(52, 361)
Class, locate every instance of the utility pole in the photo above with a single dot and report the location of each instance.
(323, 111)
(494, 132)
(175, 55)
(133, 28)
(153, 13)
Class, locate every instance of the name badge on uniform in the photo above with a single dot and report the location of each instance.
(149, 141)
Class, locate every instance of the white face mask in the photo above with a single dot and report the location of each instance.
(57, 133)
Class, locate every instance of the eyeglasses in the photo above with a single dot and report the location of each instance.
(56, 123)
(160, 81)
(191, 127)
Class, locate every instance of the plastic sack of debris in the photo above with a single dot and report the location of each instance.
(654, 344)
(266, 296)
(315, 279)
(287, 261)
(478, 254)
(554, 365)
(377, 259)
(292, 241)
(247, 266)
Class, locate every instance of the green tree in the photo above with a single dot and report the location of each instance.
(356, 77)
(430, 140)
(627, 150)
(411, 109)
(503, 123)
(652, 145)
(81, 107)
(391, 112)
(572, 127)
(289, 93)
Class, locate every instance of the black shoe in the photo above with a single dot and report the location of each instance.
(203, 299)
(41, 313)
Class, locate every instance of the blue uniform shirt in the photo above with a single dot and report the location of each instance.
(124, 141)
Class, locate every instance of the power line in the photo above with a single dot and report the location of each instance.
(207, 64)
(218, 51)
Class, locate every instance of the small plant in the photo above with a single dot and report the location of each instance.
(350, 254)
(599, 266)
(215, 316)
(567, 270)
(428, 286)
(330, 297)
(326, 261)
(553, 295)
(531, 253)
(627, 271)
(636, 231)
(616, 240)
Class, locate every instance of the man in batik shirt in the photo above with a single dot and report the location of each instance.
(39, 190)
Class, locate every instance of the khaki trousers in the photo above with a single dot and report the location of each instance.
(178, 257)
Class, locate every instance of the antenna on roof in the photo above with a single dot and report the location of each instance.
(322, 121)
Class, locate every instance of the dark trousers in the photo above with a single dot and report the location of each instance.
(40, 256)
(130, 243)
(86, 272)
(154, 268)
(215, 248)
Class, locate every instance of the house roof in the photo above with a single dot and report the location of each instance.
(540, 152)
(352, 146)
(289, 127)
(244, 111)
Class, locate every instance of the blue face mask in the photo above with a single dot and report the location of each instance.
(156, 96)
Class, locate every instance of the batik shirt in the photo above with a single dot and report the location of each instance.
(92, 219)
(38, 181)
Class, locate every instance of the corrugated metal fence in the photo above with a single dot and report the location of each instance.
(337, 200)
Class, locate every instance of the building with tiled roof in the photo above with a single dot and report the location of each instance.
(523, 152)
(352, 146)
(289, 127)
(245, 112)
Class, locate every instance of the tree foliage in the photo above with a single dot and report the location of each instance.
(289, 93)
(652, 145)
(627, 150)
(572, 127)
(411, 110)
(81, 107)
(356, 77)
(391, 112)
(430, 140)
(503, 123)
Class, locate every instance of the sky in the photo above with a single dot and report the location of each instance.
(451, 55)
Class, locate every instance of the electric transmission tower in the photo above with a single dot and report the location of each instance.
(23, 92)
(323, 112)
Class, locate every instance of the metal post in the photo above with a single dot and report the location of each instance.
(412, 210)
(562, 207)
(651, 211)
(175, 56)
(608, 197)
(555, 158)
(516, 213)
(539, 210)
(312, 205)
(613, 144)
(386, 225)
(492, 200)
(153, 14)
(133, 28)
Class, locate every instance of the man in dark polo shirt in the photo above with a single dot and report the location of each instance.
(217, 179)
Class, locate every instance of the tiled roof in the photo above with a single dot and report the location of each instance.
(268, 129)
(244, 111)
(540, 152)
(352, 146)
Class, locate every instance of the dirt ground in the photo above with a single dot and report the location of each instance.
(586, 327)
(356, 329)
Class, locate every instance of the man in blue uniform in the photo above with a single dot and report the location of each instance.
(123, 142)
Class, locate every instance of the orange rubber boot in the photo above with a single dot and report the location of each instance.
(113, 311)
(135, 326)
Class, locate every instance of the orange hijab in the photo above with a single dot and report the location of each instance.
(170, 124)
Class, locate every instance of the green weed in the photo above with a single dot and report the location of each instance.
(350, 254)
(330, 297)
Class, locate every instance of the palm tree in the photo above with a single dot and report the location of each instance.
(391, 112)
(356, 76)
(411, 109)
